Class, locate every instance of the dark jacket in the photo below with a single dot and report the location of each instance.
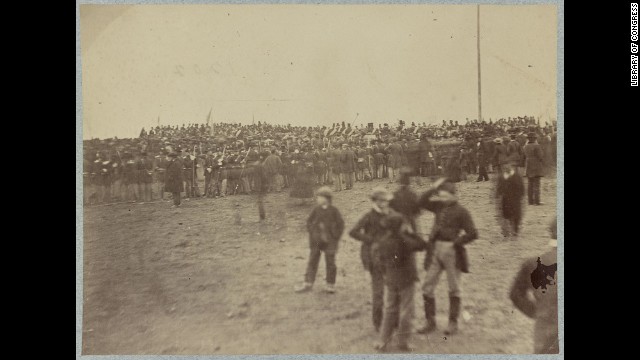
(174, 177)
(545, 307)
(500, 156)
(144, 167)
(450, 220)
(511, 191)
(396, 154)
(514, 153)
(399, 243)
(272, 165)
(325, 228)
(368, 230)
(424, 148)
(348, 161)
(405, 202)
(534, 160)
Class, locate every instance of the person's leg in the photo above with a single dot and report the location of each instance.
(176, 198)
(312, 265)
(455, 290)
(332, 270)
(530, 186)
(536, 190)
(390, 316)
(406, 316)
(377, 290)
(428, 293)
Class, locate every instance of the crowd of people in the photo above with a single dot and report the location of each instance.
(323, 161)
(225, 156)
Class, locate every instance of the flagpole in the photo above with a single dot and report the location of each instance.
(479, 74)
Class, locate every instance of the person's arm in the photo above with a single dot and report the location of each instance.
(358, 231)
(339, 223)
(471, 233)
(311, 220)
(425, 201)
(519, 292)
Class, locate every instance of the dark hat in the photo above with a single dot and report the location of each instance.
(173, 154)
(532, 135)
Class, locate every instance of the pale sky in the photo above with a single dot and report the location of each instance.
(312, 65)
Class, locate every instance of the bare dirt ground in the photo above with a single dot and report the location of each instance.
(209, 278)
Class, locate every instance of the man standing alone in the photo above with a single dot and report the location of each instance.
(174, 181)
(534, 163)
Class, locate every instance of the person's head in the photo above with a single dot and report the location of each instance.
(324, 196)
(532, 137)
(381, 197)
(447, 191)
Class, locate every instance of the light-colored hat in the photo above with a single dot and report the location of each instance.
(380, 193)
(498, 140)
(325, 191)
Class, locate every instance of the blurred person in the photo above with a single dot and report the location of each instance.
(368, 230)
(397, 246)
(272, 167)
(510, 191)
(452, 229)
(144, 167)
(174, 181)
(535, 293)
(534, 167)
(325, 226)
(336, 168)
(499, 156)
(514, 153)
(482, 159)
(348, 165)
(394, 162)
(404, 200)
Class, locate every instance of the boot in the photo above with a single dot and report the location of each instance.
(429, 314)
(454, 311)
(304, 287)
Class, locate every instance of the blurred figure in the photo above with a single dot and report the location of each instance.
(397, 246)
(405, 201)
(534, 163)
(510, 191)
(174, 182)
(483, 161)
(348, 161)
(535, 293)
(325, 226)
(368, 230)
(453, 228)
(500, 156)
(145, 177)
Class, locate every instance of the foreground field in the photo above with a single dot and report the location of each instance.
(209, 278)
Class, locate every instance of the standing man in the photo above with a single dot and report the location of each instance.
(405, 201)
(545, 292)
(514, 152)
(483, 160)
(534, 166)
(500, 156)
(368, 230)
(145, 176)
(174, 178)
(336, 167)
(272, 167)
(396, 153)
(425, 156)
(452, 229)
(348, 165)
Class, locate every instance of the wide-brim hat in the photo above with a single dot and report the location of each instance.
(497, 140)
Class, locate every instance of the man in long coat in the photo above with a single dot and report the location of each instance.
(394, 163)
(348, 164)
(534, 168)
(174, 178)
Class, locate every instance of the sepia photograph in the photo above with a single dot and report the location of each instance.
(276, 179)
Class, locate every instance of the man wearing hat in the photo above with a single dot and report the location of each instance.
(325, 226)
(174, 182)
(544, 309)
(369, 230)
(514, 152)
(499, 156)
(453, 228)
(534, 167)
